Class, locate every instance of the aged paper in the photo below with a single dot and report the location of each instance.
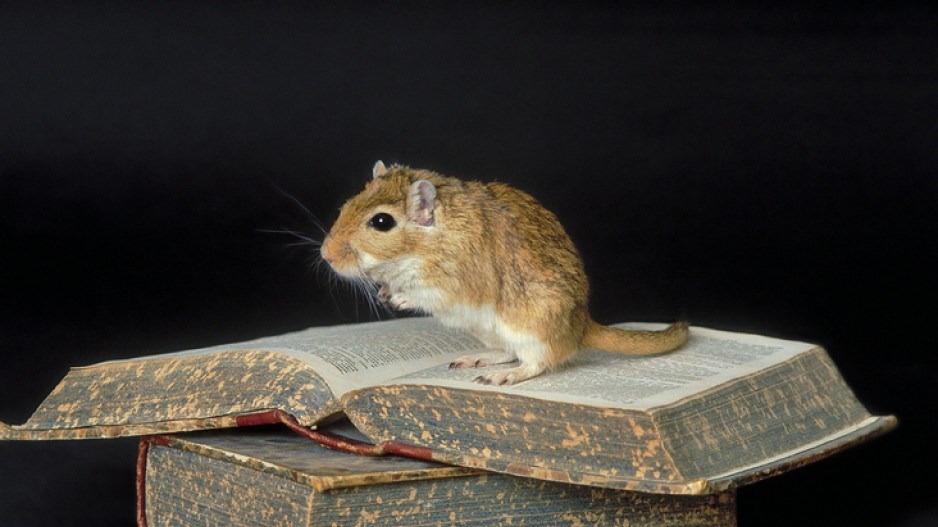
(353, 356)
(419, 351)
(710, 358)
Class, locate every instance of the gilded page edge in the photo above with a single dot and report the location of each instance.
(654, 411)
(17, 433)
(711, 485)
(873, 427)
(692, 488)
(377, 433)
(179, 356)
(24, 432)
(879, 425)
(328, 483)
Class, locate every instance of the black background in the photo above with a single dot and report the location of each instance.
(752, 169)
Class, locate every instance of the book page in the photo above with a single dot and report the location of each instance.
(614, 380)
(354, 356)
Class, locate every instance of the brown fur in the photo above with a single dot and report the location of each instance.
(489, 245)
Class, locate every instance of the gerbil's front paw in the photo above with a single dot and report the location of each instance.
(401, 302)
(384, 294)
(396, 300)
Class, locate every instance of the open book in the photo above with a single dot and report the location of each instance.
(724, 410)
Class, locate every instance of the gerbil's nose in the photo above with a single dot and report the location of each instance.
(325, 253)
(322, 249)
(328, 251)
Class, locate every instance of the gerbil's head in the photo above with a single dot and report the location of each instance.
(383, 225)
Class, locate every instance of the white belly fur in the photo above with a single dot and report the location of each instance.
(487, 326)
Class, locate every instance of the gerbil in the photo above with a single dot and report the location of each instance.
(483, 257)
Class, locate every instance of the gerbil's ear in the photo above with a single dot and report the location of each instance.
(379, 170)
(421, 201)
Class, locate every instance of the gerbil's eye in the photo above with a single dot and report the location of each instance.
(382, 221)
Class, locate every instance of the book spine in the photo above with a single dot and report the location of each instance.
(142, 451)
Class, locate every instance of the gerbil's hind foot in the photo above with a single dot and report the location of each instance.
(509, 377)
(480, 360)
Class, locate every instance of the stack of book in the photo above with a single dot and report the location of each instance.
(608, 440)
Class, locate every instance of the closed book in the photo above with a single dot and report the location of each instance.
(271, 478)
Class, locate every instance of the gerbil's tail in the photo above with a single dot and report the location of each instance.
(635, 342)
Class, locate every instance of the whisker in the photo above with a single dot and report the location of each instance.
(366, 288)
(362, 291)
(304, 239)
(359, 285)
(312, 217)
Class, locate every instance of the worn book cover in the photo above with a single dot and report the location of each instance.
(270, 478)
(724, 410)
